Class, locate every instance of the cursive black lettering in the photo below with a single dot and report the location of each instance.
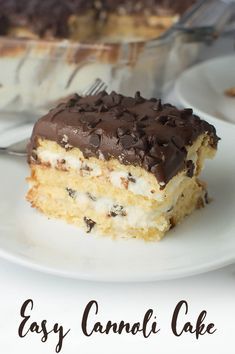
(40, 328)
(85, 316)
(199, 329)
(146, 320)
(147, 327)
(175, 317)
(27, 303)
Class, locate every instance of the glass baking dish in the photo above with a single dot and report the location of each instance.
(35, 74)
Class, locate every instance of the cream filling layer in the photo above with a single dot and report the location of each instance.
(124, 216)
(140, 186)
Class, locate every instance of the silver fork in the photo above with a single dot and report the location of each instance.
(19, 148)
(96, 87)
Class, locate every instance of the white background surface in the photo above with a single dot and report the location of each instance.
(63, 301)
(208, 82)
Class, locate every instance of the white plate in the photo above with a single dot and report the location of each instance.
(202, 88)
(204, 241)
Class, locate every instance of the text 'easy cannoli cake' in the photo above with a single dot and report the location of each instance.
(122, 166)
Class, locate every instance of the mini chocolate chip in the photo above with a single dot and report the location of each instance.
(167, 105)
(132, 151)
(172, 223)
(149, 161)
(161, 119)
(141, 153)
(117, 210)
(108, 101)
(155, 152)
(143, 117)
(157, 106)
(95, 140)
(121, 131)
(117, 112)
(60, 164)
(102, 108)
(189, 111)
(73, 100)
(141, 144)
(170, 209)
(71, 192)
(92, 197)
(86, 168)
(177, 141)
(133, 134)
(97, 101)
(207, 199)
(131, 178)
(154, 168)
(195, 120)
(138, 98)
(116, 98)
(127, 141)
(89, 223)
(99, 131)
(179, 123)
(170, 123)
(138, 126)
(190, 168)
(93, 124)
(34, 155)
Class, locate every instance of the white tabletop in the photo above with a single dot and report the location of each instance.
(64, 300)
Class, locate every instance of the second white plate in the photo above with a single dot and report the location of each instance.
(202, 88)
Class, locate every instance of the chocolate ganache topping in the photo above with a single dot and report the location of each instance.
(135, 131)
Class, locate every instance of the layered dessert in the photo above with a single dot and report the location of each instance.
(85, 20)
(118, 165)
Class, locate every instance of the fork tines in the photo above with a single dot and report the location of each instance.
(96, 87)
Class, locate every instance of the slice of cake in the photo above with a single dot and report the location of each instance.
(119, 165)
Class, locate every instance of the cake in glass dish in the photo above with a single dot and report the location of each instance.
(119, 166)
(85, 20)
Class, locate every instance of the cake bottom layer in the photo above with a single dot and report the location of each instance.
(109, 218)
